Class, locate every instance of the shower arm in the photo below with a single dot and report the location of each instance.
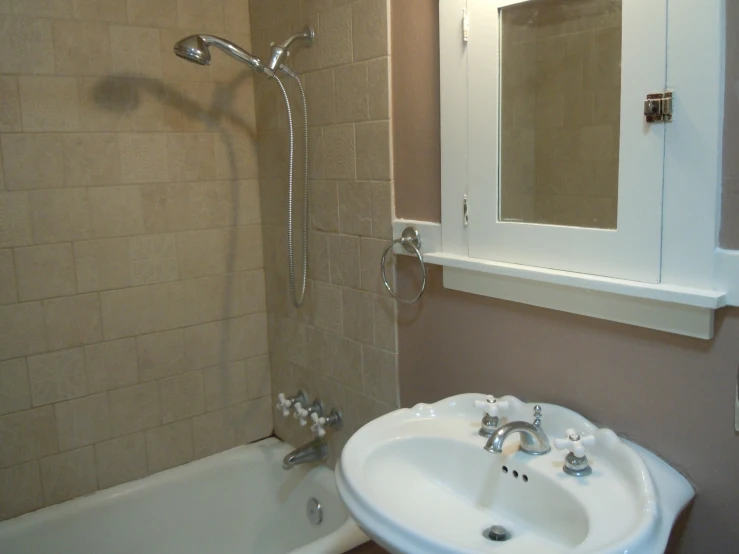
(238, 53)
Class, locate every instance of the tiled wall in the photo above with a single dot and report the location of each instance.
(341, 344)
(133, 327)
(561, 94)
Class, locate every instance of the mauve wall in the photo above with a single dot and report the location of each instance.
(672, 394)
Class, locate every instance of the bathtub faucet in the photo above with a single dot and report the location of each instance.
(313, 451)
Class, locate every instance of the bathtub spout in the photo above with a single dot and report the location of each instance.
(313, 451)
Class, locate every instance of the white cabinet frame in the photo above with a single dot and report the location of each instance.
(696, 276)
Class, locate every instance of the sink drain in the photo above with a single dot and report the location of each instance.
(496, 533)
(314, 511)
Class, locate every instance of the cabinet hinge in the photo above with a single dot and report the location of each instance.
(658, 107)
(465, 212)
(465, 26)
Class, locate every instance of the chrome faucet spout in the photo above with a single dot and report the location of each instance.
(313, 451)
(534, 440)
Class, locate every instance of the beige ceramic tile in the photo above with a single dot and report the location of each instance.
(328, 303)
(339, 152)
(208, 344)
(249, 212)
(81, 48)
(20, 490)
(49, 103)
(8, 286)
(10, 114)
(143, 158)
(208, 14)
(44, 8)
(373, 150)
(212, 433)
(153, 259)
(258, 379)
(31, 43)
(176, 304)
(344, 260)
(91, 159)
(169, 446)
(226, 385)
(135, 51)
(154, 13)
(382, 210)
(352, 93)
(27, 435)
(57, 376)
(102, 264)
(121, 460)
(321, 97)
(134, 409)
(253, 420)
(32, 161)
(379, 89)
(45, 271)
(72, 321)
(161, 354)
(127, 312)
(116, 211)
(203, 253)
(318, 268)
(82, 421)
(355, 208)
(68, 475)
(113, 11)
(335, 37)
(371, 254)
(15, 219)
(182, 396)
(324, 206)
(370, 29)
(379, 374)
(14, 392)
(60, 215)
(191, 157)
(247, 247)
(254, 291)
(357, 315)
(22, 330)
(110, 365)
(385, 317)
(348, 364)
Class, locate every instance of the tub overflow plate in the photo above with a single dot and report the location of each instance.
(315, 511)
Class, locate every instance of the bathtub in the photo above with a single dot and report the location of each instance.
(237, 502)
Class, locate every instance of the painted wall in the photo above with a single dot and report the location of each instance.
(341, 344)
(133, 327)
(672, 394)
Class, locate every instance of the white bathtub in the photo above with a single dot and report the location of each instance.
(237, 502)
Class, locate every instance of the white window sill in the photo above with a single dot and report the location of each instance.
(675, 309)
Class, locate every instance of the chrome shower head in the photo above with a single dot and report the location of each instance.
(193, 49)
(196, 49)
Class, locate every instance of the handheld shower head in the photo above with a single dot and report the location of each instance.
(196, 49)
(193, 49)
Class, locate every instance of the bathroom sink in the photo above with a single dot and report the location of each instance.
(419, 481)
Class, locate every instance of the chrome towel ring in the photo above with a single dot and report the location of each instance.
(411, 241)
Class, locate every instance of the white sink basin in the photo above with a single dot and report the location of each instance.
(419, 481)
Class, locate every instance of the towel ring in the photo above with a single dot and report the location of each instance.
(411, 241)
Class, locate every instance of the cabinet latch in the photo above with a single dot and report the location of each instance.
(465, 26)
(658, 107)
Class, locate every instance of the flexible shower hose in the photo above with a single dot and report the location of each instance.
(297, 298)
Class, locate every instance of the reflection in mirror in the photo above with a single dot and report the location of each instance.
(560, 112)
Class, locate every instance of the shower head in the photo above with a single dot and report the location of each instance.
(193, 49)
(196, 49)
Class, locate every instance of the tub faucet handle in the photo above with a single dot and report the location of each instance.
(334, 420)
(284, 403)
(491, 407)
(301, 414)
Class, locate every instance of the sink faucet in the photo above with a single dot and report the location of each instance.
(534, 440)
(313, 451)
